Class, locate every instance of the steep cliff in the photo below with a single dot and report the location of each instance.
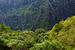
(32, 14)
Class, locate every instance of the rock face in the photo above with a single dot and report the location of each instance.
(32, 14)
(11, 2)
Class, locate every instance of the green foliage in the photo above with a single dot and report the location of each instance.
(16, 39)
(55, 30)
(42, 37)
(61, 37)
(47, 45)
(29, 38)
(65, 33)
(40, 30)
(4, 28)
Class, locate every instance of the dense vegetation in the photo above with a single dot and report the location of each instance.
(27, 25)
(32, 14)
(60, 37)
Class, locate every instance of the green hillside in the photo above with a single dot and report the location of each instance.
(60, 37)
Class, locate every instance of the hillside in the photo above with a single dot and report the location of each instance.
(32, 14)
(60, 37)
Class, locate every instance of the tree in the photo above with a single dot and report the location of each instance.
(4, 28)
(40, 30)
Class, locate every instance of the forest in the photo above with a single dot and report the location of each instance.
(60, 37)
(37, 24)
